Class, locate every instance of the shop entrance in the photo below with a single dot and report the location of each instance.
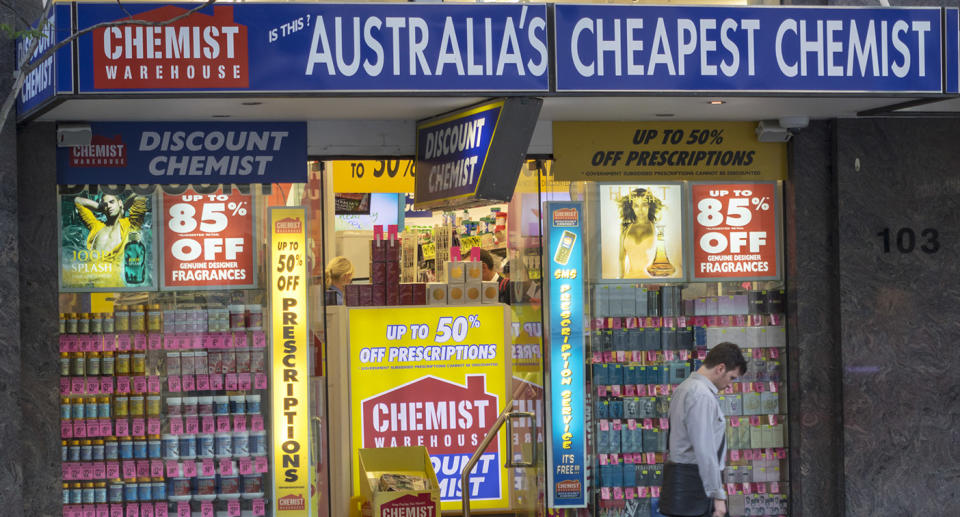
(433, 329)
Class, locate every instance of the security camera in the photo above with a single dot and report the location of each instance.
(73, 135)
(794, 122)
(772, 131)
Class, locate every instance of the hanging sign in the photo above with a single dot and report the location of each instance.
(662, 151)
(187, 153)
(736, 231)
(566, 434)
(473, 156)
(208, 240)
(291, 394)
(786, 49)
(106, 239)
(436, 379)
(54, 74)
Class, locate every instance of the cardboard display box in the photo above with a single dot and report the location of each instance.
(412, 461)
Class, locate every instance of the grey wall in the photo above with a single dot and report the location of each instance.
(39, 352)
(899, 323)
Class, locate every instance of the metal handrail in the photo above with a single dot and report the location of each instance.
(504, 417)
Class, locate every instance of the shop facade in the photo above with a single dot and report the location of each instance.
(830, 218)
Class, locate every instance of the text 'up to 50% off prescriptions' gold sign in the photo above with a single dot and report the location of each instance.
(664, 151)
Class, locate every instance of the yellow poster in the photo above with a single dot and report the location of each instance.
(388, 176)
(290, 376)
(663, 151)
(436, 377)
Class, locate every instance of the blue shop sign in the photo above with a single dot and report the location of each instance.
(951, 49)
(755, 49)
(54, 74)
(315, 47)
(566, 433)
(187, 153)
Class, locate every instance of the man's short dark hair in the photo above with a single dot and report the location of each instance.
(727, 354)
(485, 256)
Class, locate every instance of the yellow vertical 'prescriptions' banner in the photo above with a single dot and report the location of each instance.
(664, 151)
(290, 376)
(436, 377)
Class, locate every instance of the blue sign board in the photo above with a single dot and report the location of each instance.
(566, 461)
(123, 153)
(951, 49)
(54, 74)
(775, 49)
(315, 47)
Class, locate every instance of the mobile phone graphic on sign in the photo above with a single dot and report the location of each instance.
(565, 248)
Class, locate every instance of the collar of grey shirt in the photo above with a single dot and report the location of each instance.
(700, 378)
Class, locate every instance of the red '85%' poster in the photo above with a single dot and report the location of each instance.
(208, 240)
(735, 231)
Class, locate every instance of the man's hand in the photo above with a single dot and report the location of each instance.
(719, 508)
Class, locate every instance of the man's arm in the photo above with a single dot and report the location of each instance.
(700, 421)
(85, 208)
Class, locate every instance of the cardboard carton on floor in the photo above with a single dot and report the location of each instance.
(404, 461)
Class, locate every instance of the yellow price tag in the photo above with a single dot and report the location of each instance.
(429, 250)
(388, 176)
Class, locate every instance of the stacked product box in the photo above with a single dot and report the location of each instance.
(385, 288)
(123, 449)
(464, 285)
(644, 342)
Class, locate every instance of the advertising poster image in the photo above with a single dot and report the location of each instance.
(106, 240)
(641, 232)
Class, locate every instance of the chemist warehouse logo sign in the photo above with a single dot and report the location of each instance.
(125, 153)
(449, 419)
(199, 51)
(646, 48)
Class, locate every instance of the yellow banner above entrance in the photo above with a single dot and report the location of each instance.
(663, 151)
(388, 176)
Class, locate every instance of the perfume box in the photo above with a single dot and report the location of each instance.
(456, 272)
(436, 293)
(406, 294)
(473, 293)
(490, 292)
(379, 294)
(352, 295)
(393, 293)
(378, 250)
(456, 293)
(473, 271)
(419, 294)
(366, 295)
(378, 273)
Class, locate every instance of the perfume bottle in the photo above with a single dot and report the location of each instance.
(134, 263)
(661, 265)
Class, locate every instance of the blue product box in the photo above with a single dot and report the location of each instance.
(685, 338)
(651, 338)
(668, 338)
(600, 377)
(615, 374)
(603, 408)
(700, 336)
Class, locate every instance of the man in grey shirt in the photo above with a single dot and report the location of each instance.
(697, 425)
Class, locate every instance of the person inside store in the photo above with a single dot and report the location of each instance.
(490, 274)
(338, 274)
(696, 441)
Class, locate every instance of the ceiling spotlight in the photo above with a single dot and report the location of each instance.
(717, 102)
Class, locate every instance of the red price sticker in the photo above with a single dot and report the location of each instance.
(110, 343)
(259, 339)
(106, 385)
(190, 469)
(86, 471)
(77, 384)
(89, 510)
(138, 427)
(153, 384)
(155, 342)
(230, 383)
(193, 425)
(103, 510)
(79, 429)
(123, 384)
(216, 382)
(65, 385)
(113, 469)
(206, 509)
(240, 340)
(260, 381)
(233, 508)
(140, 384)
(176, 426)
(66, 429)
(153, 426)
(239, 422)
(173, 468)
(99, 471)
(173, 383)
(129, 469)
(207, 468)
(223, 424)
(156, 468)
(210, 234)
(143, 468)
(203, 382)
(93, 428)
(207, 425)
(93, 386)
(245, 465)
(256, 423)
(123, 343)
(259, 507)
(123, 427)
(209, 341)
(261, 464)
(139, 342)
(183, 509)
(169, 342)
(146, 509)
(226, 467)
(116, 510)
(160, 509)
(189, 383)
(245, 382)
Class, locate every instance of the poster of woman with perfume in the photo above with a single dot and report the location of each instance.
(641, 231)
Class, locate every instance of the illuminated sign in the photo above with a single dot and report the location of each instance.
(566, 459)
(389, 176)
(290, 377)
(437, 380)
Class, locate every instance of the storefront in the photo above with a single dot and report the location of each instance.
(207, 369)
